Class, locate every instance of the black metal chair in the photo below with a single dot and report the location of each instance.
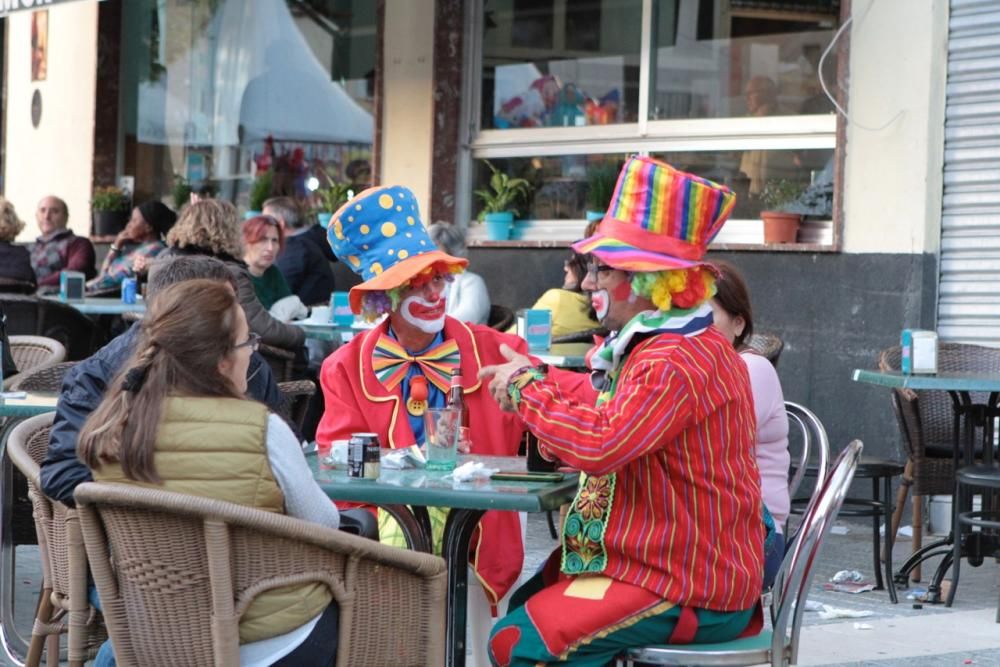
(984, 480)
(34, 316)
(12, 286)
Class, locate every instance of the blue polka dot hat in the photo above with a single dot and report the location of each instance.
(379, 235)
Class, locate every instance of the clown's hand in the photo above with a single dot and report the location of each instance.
(498, 375)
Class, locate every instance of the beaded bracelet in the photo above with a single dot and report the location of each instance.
(521, 378)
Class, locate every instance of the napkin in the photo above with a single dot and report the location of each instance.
(288, 309)
(471, 471)
(400, 459)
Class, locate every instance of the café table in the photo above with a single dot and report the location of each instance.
(328, 331)
(414, 490)
(13, 411)
(564, 355)
(103, 305)
(969, 415)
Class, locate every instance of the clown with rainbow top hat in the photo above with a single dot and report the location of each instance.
(384, 380)
(664, 540)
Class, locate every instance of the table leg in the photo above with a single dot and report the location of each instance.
(457, 536)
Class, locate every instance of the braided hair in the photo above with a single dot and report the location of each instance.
(190, 327)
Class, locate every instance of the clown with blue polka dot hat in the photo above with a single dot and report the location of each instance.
(385, 380)
(380, 236)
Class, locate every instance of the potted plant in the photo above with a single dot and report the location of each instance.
(181, 192)
(601, 181)
(499, 201)
(331, 198)
(260, 191)
(110, 207)
(780, 224)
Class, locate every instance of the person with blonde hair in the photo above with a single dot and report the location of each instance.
(15, 260)
(211, 227)
(176, 418)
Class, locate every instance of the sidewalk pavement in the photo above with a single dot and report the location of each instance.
(890, 636)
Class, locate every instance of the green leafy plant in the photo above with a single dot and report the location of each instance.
(181, 191)
(504, 193)
(109, 198)
(260, 191)
(601, 181)
(334, 194)
(779, 193)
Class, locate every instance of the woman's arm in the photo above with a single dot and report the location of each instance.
(303, 497)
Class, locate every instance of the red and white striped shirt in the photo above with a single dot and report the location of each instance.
(686, 516)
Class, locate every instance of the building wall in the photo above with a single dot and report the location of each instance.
(895, 137)
(57, 157)
(407, 121)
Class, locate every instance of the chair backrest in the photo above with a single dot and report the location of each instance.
(27, 446)
(815, 443)
(501, 318)
(791, 586)
(296, 395)
(31, 352)
(767, 345)
(936, 412)
(35, 316)
(169, 565)
(46, 378)
(16, 286)
(280, 360)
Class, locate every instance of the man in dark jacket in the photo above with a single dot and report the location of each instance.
(303, 262)
(84, 385)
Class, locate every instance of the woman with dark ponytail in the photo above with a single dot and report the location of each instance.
(176, 418)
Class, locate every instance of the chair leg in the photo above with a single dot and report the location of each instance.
(890, 536)
(52, 651)
(877, 548)
(550, 518)
(918, 532)
(956, 531)
(42, 615)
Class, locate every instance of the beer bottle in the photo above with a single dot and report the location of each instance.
(455, 396)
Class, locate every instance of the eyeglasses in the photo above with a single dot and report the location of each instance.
(594, 269)
(252, 341)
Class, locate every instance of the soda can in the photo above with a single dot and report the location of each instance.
(130, 288)
(363, 452)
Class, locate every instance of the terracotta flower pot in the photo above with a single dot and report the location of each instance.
(780, 227)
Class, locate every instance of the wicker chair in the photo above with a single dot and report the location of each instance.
(33, 352)
(768, 346)
(45, 379)
(296, 395)
(501, 318)
(63, 605)
(171, 566)
(281, 361)
(926, 422)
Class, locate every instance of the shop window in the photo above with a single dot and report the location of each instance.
(217, 93)
(728, 89)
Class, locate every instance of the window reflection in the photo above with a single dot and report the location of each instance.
(725, 58)
(212, 91)
(560, 63)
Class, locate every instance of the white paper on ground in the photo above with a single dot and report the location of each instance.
(829, 612)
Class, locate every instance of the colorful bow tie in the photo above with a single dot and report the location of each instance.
(391, 362)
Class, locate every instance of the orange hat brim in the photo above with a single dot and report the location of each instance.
(401, 273)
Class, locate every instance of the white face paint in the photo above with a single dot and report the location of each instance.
(601, 301)
(428, 316)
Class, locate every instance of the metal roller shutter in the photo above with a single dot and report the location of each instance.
(969, 290)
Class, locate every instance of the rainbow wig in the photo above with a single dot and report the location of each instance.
(676, 288)
(375, 304)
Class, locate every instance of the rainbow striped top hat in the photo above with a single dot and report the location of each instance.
(659, 218)
(380, 236)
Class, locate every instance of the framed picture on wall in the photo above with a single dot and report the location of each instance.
(39, 45)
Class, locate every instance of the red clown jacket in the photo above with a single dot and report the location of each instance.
(673, 479)
(356, 402)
